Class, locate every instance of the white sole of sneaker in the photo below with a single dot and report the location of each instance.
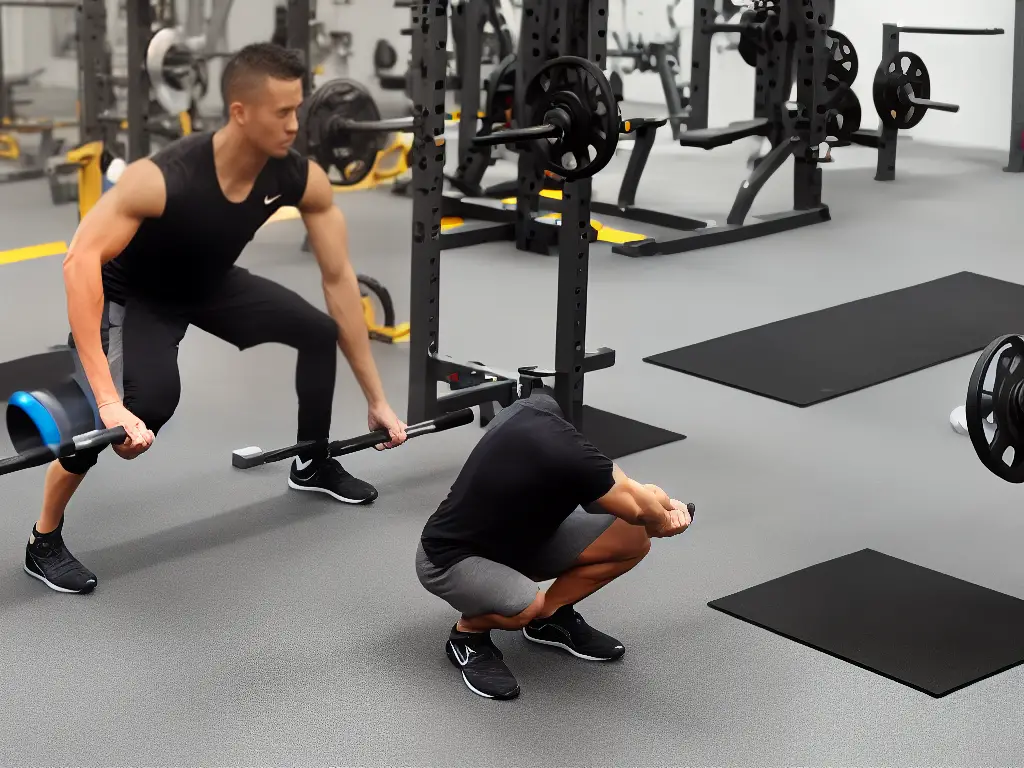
(564, 647)
(50, 584)
(295, 487)
(474, 690)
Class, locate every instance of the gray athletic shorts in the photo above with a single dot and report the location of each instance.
(476, 586)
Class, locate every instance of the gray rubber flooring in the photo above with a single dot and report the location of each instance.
(238, 623)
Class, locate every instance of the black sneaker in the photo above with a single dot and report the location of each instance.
(482, 665)
(328, 476)
(567, 630)
(47, 559)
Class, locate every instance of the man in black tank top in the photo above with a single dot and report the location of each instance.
(157, 254)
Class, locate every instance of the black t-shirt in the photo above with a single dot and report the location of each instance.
(527, 474)
(185, 252)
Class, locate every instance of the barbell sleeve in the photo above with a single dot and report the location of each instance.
(936, 105)
(38, 457)
(708, 29)
(519, 135)
(394, 125)
(939, 106)
(35, 457)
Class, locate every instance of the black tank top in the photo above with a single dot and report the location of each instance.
(185, 252)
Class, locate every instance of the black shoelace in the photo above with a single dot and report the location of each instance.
(59, 562)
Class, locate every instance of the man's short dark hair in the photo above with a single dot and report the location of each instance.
(247, 69)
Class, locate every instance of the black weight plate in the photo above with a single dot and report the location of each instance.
(844, 118)
(843, 64)
(904, 70)
(501, 89)
(746, 46)
(352, 153)
(579, 87)
(994, 408)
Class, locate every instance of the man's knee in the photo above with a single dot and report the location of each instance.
(317, 330)
(155, 404)
(630, 542)
(80, 463)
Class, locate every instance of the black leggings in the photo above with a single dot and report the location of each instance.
(141, 343)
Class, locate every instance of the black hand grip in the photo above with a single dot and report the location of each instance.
(100, 438)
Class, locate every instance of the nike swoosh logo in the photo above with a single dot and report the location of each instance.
(301, 465)
(269, 200)
(463, 659)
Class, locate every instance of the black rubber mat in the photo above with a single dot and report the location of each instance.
(913, 625)
(616, 436)
(35, 371)
(822, 355)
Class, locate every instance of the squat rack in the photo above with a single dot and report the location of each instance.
(570, 27)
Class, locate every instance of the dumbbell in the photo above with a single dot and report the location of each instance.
(55, 422)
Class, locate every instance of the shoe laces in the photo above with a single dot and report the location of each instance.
(59, 561)
(333, 468)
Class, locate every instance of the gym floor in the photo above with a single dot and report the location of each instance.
(237, 622)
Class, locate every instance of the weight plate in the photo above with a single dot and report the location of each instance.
(352, 153)
(843, 64)
(501, 89)
(994, 395)
(170, 71)
(904, 71)
(746, 45)
(579, 87)
(844, 118)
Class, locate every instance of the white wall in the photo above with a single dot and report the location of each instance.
(974, 72)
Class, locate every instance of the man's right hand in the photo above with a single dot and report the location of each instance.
(139, 438)
(672, 523)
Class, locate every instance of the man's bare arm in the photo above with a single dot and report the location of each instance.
(328, 236)
(101, 236)
(635, 503)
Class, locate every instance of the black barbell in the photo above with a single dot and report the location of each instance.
(248, 458)
(571, 122)
(902, 90)
(571, 119)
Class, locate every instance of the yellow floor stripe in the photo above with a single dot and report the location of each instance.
(58, 248)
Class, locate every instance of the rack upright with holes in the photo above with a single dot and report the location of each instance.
(1016, 163)
(95, 74)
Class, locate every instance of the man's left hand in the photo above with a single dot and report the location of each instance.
(382, 417)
